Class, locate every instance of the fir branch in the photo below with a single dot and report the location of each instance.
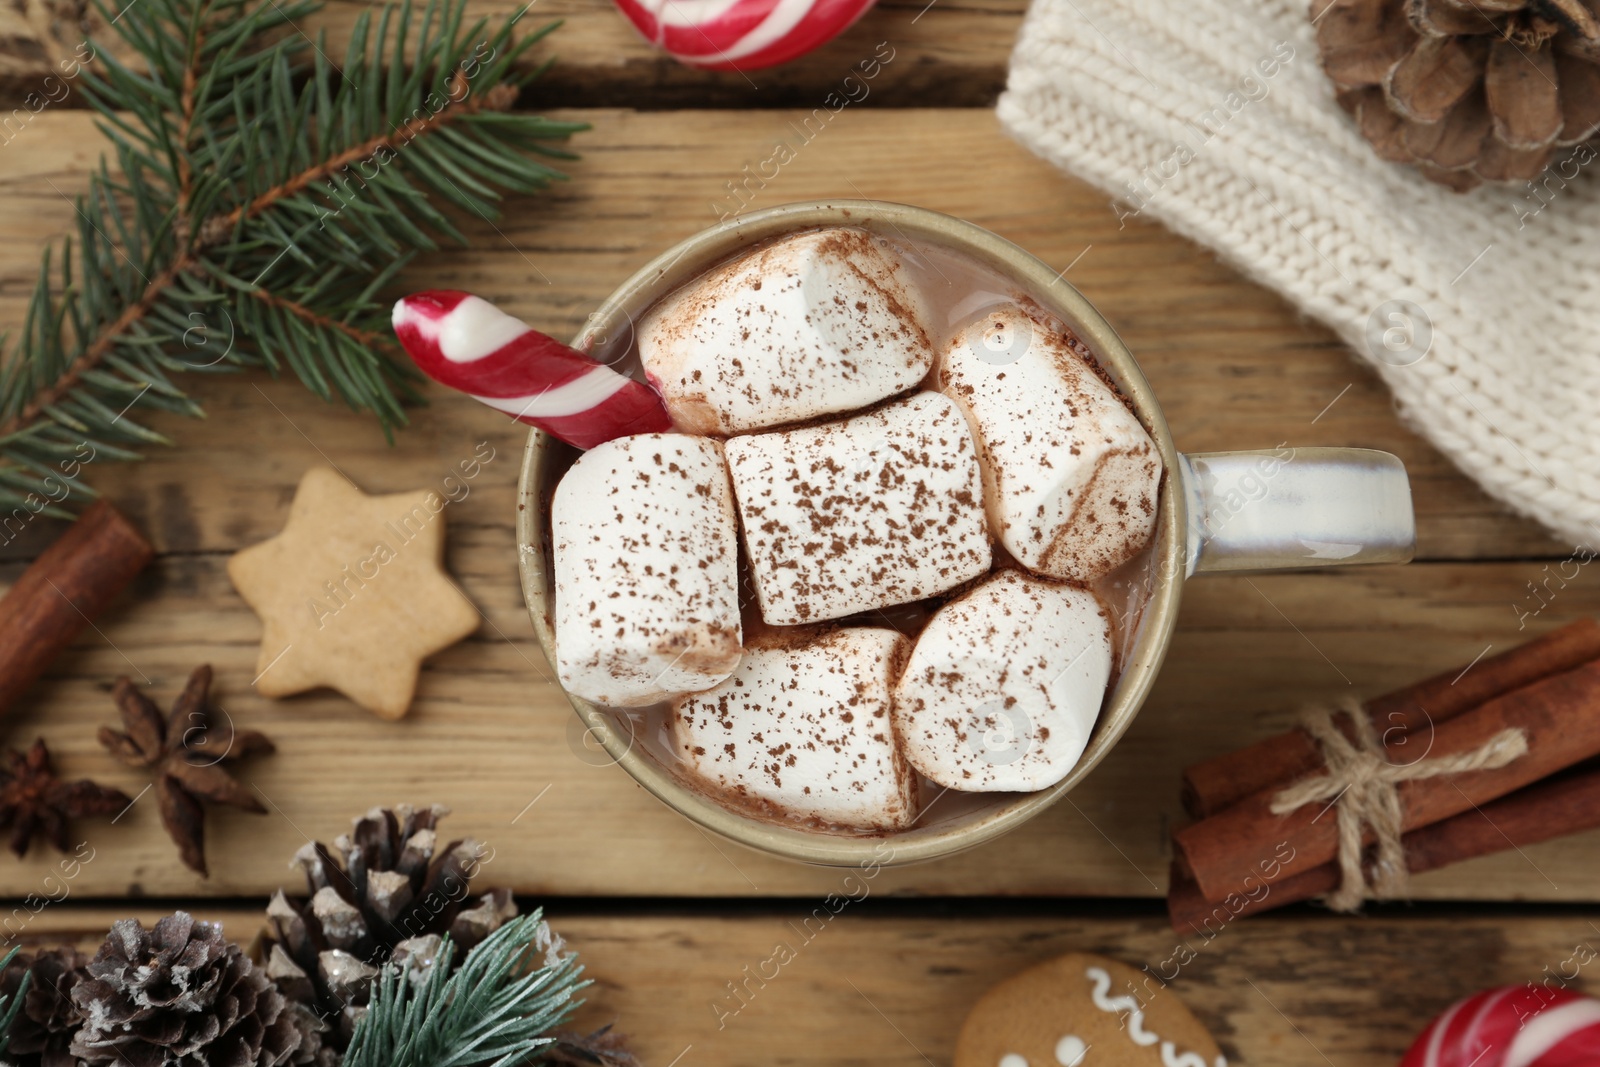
(262, 199)
(498, 1008)
(499, 98)
(91, 356)
(186, 103)
(366, 337)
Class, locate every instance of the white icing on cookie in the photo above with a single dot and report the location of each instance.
(1070, 1051)
(1170, 1056)
(1011, 1059)
(1102, 986)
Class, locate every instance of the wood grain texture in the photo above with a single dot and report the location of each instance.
(949, 53)
(490, 734)
(871, 988)
(1236, 366)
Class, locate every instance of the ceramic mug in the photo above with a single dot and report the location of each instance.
(1220, 511)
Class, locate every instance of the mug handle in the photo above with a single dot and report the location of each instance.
(1277, 509)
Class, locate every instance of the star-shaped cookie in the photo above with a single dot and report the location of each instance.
(352, 594)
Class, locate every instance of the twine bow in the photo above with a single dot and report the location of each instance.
(1363, 784)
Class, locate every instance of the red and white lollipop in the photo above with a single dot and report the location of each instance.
(467, 343)
(740, 34)
(1513, 1026)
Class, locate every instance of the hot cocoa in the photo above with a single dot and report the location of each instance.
(934, 500)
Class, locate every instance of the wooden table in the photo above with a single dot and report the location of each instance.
(666, 916)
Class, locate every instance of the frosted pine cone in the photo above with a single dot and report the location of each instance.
(389, 895)
(179, 995)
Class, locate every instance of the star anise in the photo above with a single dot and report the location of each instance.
(34, 801)
(189, 757)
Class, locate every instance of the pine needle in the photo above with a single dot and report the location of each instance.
(258, 199)
(497, 1009)
(9, 1006)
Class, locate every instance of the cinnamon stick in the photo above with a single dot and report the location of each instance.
(1563, 804)
(1560, 716)
(70, 583)
(1214, 784)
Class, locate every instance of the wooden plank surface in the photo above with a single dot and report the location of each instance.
(1236, 367)
(873, 986)
(945, 54)
(889, 979)
(489, 734)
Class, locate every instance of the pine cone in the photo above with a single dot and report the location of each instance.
(43, 1028)
(179, 995)
(391, 896)
(1468, 90)
(604, 1047)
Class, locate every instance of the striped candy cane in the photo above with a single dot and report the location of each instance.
(740, 34)
(1513, 1026)
(467, 343)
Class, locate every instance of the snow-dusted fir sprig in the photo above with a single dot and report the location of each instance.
(499, 1007)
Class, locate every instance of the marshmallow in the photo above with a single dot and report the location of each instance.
(803, 729)
(1070, 476)
(1004, 685)
(813, 324)
(881, 509)
(646, 570)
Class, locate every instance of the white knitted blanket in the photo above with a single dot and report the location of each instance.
(1214, 117)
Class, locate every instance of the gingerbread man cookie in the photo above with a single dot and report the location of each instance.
(1083, 1011)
